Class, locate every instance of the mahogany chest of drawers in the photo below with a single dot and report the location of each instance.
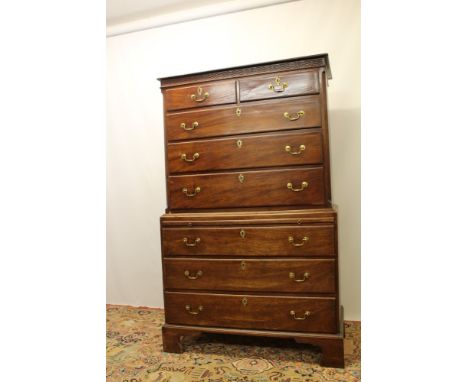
(249, 238)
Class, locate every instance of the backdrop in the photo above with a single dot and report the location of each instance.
(135, 149)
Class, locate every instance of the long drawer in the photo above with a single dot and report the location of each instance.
(215, 93)
(271, 275)
(279, 85)
(250, 241)
(261, 150)
(252, 117)
(304, 314)
(291, 187)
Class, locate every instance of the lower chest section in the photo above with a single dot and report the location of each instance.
(271, 270)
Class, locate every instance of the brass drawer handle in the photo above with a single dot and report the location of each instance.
(278, 87)
(298, 115)
(292, 275)
(197, 275)
(200, 96)
(293, 314)
(304, 185)
(194, 157)
(288, 150)
(191, 195)
(305, 239)
(193, 244)
(184, 126)
(189, 309)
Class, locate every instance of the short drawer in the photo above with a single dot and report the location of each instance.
(301, 314)
(279, 85)
(250, 241)
(215, 93)
(268, 275)
(274, 115)
(292, 187)
(261, 150)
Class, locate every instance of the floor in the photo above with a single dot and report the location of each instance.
(134, 354)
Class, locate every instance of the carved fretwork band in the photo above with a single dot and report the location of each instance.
(279, 66)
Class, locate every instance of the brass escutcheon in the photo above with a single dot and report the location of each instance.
(243, 265)
(197, 275)
(189, 309)
(278, 86)
(191, 244)
(244, 301)
(297, 152)
(305, 239)
(184, 126)
(191, 195)
(304, 185)
(199, 97)
(194, 157)
(293, 314)
(242, 233)
(292, 276)
(241, 178)
(298, 115)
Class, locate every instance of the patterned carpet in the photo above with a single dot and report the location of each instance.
(134, 354)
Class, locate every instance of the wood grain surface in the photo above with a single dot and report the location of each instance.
(250, 241)
(254, 117)
(258, 188)
(270, 275)
(252, 311)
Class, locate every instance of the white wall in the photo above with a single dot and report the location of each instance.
(135, 150)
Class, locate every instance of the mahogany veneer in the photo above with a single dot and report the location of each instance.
(298, 83)
(249, 238)
(248, 189)
(244, 311)
(274, 275)
(241, 151)
(190, 96)
(242, 118)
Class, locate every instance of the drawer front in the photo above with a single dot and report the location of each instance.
(297, 187)
(246, 118)
(215, 93)
(279, 85)
(250, 241)
(301, 276)
(302, 314)
(304, 147)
